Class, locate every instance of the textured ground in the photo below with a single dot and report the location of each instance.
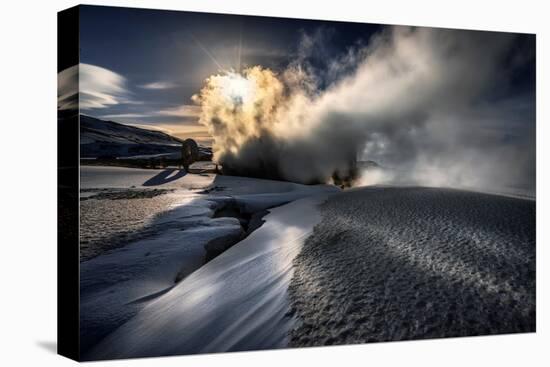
(111, 218)
(149, 233)
(412, 263)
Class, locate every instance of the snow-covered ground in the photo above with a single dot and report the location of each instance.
(131, 300)
(399, 263)
(238, 301)
(114, 286)
(462, 254)
(93, 177)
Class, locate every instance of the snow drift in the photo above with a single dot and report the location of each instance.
(238, 301)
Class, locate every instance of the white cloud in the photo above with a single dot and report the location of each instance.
(100, 87)
(181, 111)
(97, 88)
(125, 116)
(159, 85)
(67, 89)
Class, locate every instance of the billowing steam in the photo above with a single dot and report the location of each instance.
(415, 100)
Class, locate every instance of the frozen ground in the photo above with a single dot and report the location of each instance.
(379, 263)
(107, 223)
(118, 205)
(117, 283)
(94, 177)
(122, 283)
(238, 301)
(412, 263)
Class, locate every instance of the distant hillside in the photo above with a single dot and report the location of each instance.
(108, 139)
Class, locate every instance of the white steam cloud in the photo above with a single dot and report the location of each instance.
(413, 100)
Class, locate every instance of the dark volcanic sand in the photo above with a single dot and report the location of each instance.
(412, 263)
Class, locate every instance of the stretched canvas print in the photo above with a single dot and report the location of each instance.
(236, 183)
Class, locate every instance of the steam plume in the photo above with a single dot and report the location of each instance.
(416, 99)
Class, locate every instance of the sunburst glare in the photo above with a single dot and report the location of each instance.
(236, 88)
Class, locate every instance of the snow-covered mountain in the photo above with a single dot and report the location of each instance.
(108, 139)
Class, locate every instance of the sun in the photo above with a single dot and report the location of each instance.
(237, 89)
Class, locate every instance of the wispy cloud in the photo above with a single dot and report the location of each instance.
(125, 116)
(95, 86)
(67, 89)
(159, 85)
(100, 87)
(184, 111)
